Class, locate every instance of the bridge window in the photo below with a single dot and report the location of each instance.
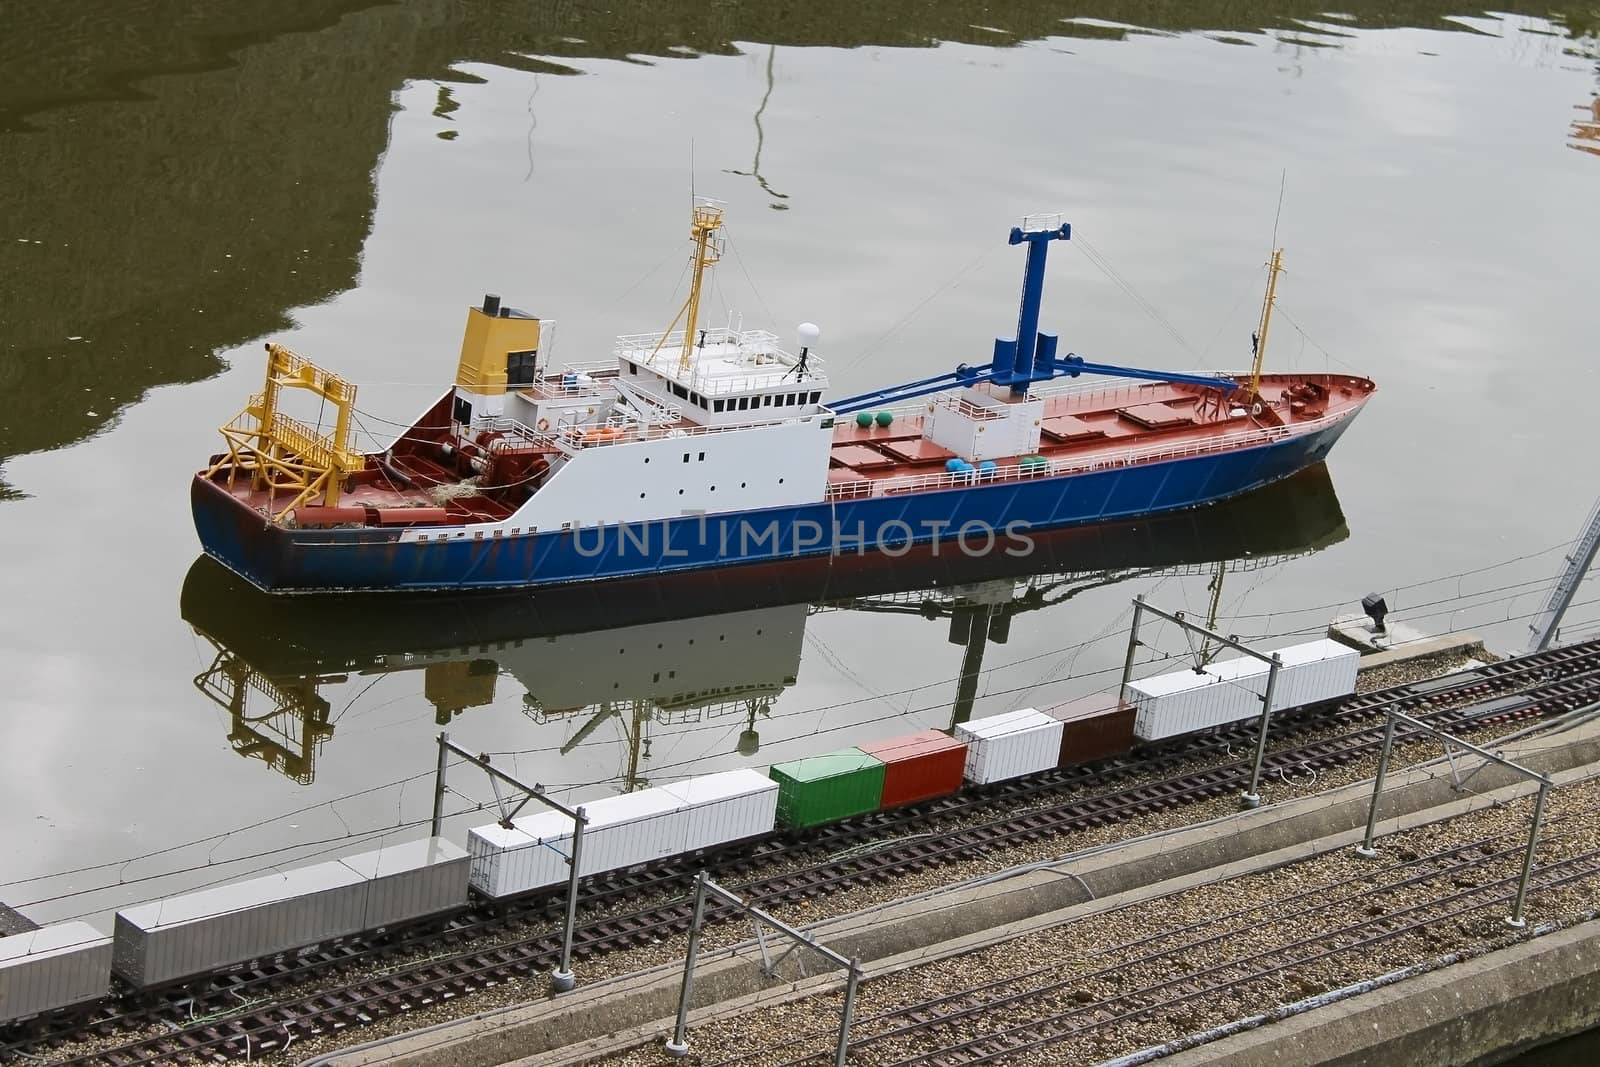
(520, 368)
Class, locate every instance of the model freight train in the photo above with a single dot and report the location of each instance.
(267, 920)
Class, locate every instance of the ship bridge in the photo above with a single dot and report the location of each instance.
(730, 377)
(716, 377)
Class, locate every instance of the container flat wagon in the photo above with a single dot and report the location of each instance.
(1011, 745)
(726, 807)
(1229, 691)
(829, 787)
(51, 969)
(1094, 727)
(1310, 673)
(234, 926)
(535, 851)
(918, 766)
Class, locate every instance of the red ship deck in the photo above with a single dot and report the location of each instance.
(1113, 424)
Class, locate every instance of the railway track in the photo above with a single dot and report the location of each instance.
(251, 1013)
(1027, 1011)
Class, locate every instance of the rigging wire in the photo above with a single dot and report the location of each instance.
(737, 258)
(954, 280)
(1099, 259)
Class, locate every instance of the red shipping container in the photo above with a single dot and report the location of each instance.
(918, 766)
(1094, 727)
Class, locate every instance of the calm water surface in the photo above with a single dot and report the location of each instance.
(179, 185)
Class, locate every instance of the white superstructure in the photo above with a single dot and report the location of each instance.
(682, 422)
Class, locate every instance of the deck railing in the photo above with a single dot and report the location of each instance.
(621, 431)
(740, 343)
(1094, 461)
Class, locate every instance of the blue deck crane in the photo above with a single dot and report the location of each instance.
(1029, 357)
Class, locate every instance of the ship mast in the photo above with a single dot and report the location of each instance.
(703, 227)
(1260, 339)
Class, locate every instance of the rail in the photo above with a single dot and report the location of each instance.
(921, 483)
(553, 389)
(252, 1012)
(736, 345)
(966, 408)
(1095, 395)
(299, 438)
(620, 431)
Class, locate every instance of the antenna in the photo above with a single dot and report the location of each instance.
(1283, 180)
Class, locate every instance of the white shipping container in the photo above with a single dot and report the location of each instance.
(623, 830)
(1311, 672)
(53, 967)
(411, 880)
(260, 918)
(632, 828)
(1230, 690)
(728, 806)
(1180, 702)
(510, 861)
(1010, 745)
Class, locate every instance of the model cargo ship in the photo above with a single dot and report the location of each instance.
(703, 448)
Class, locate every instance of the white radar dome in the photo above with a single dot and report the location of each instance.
(809, 333)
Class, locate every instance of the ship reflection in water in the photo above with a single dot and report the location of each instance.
(696, 649)
(1586, 128)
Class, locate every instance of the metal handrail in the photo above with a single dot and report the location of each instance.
(966, 408)
(565, 437)
(1099, 461)
(744, 342)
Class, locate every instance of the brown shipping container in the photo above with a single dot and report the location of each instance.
(1093, 727)
(918, 766)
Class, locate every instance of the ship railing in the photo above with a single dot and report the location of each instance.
(917, 409)
(302, 440)
(744, 344)
(562, 389)
(617, 431)
(591, 366)
(1076, 464)
(966, 408)
(521, 430)
(1098, 392)
(720, 385)
(752, 342)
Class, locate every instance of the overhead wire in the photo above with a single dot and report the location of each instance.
(220, 834)
(1455, 607)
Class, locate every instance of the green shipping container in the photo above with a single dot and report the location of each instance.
(820, 789)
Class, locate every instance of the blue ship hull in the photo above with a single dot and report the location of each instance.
(975, 519)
